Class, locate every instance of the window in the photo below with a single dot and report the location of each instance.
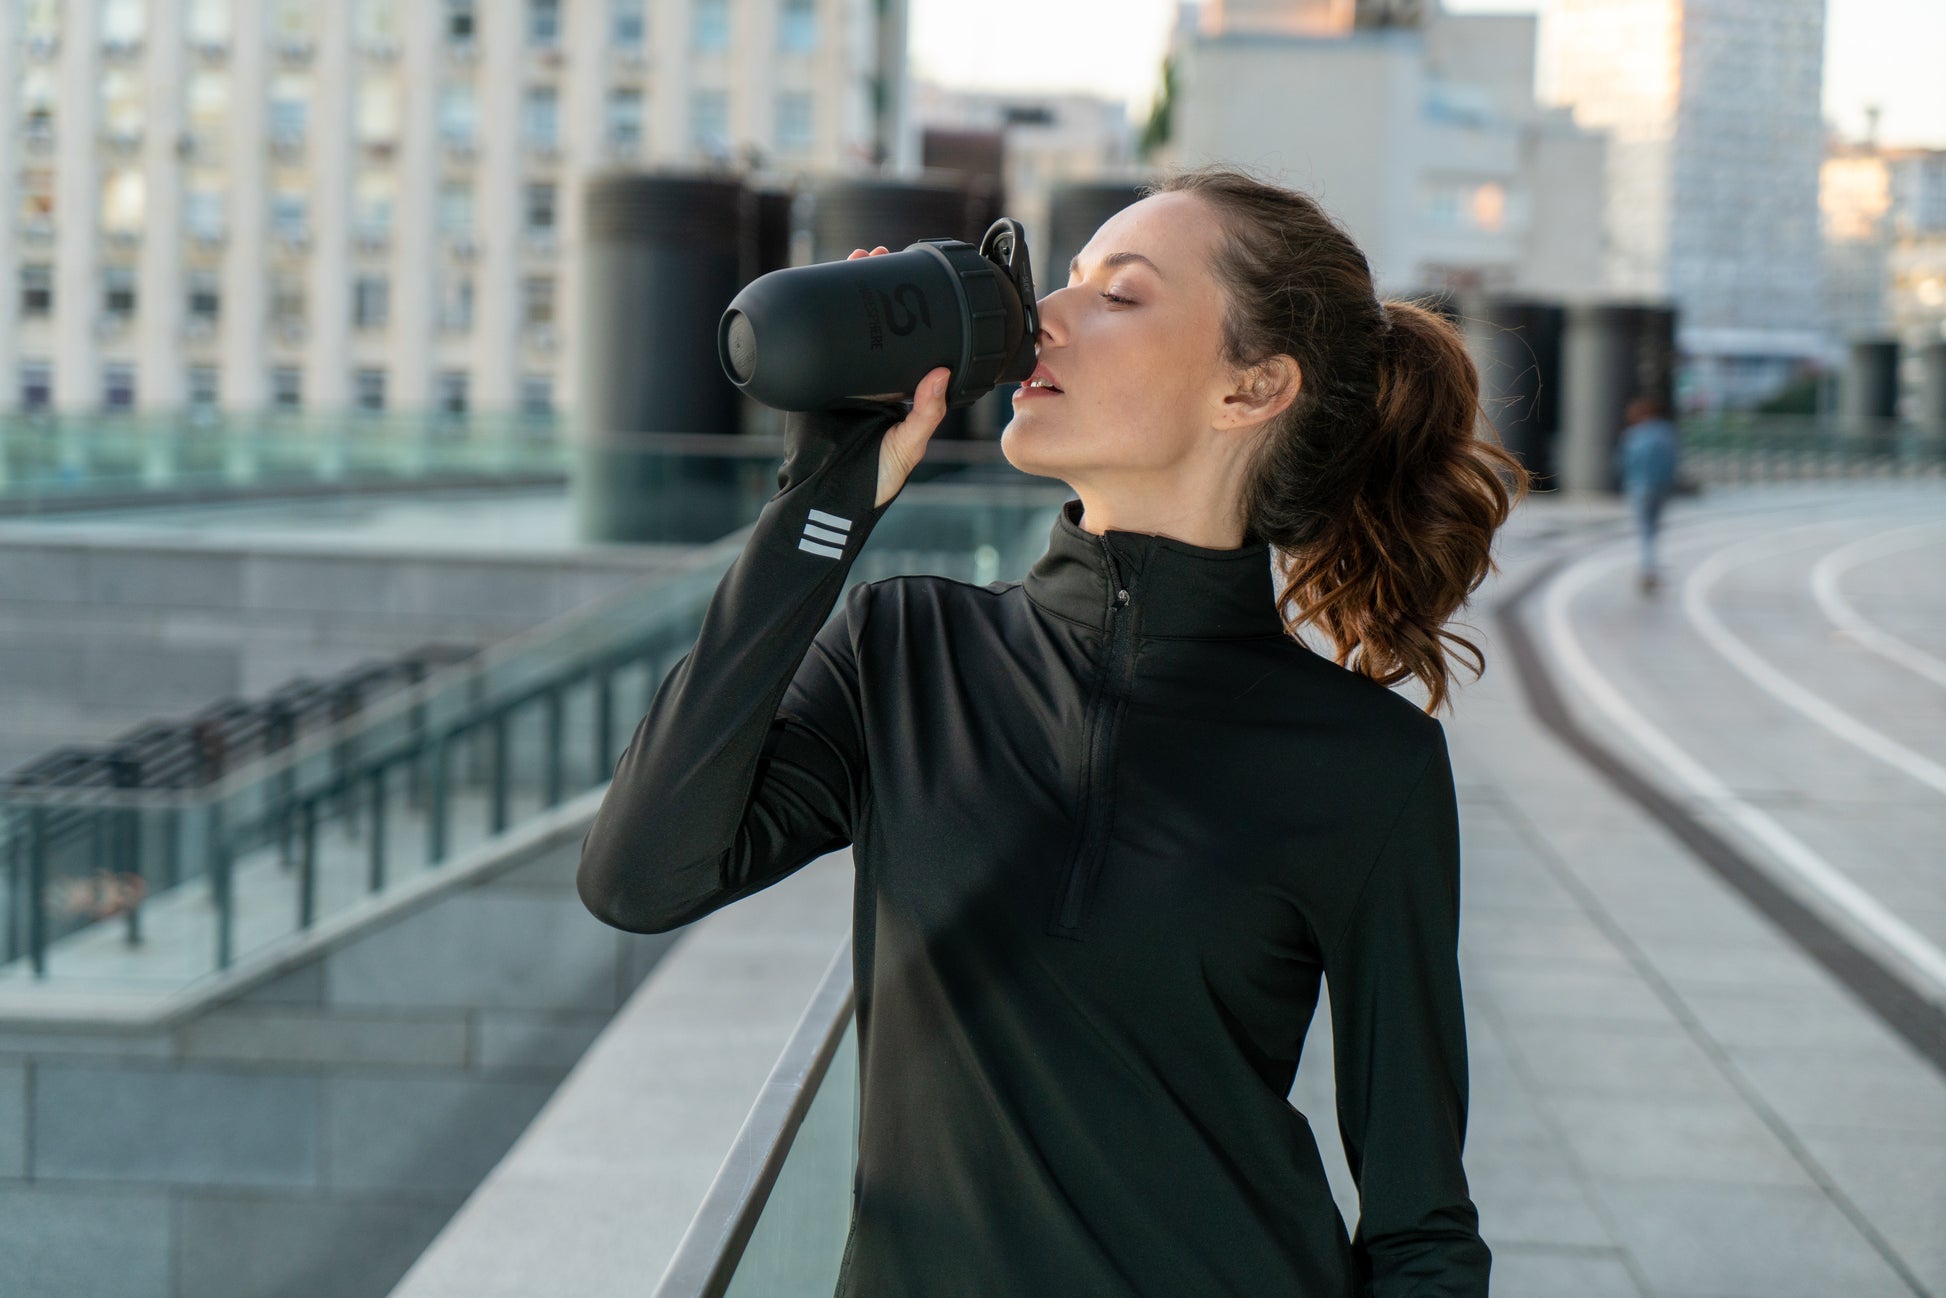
(289, 213)
(375, 22)
(118, 385)
(537, 300)
(36, 290)
(286, 299)
(711, 28)
(456, 303)
(458, 112)
(794, 123)
(124, 195)
(121, 103)
(538, 210)
(797, 26)
(456, 208)
(626, 29)
(37, 100)
(368, 389)
(540, 114)
(208, 99)
(37, 195)
(709, 122)
(287, 387)
(625, 118)
(209, 22)
(370, 301)
(205, 296)
(378, 109)
(372, 196)
(290, 22)
(290, 107)
(452, 392)
(459, 21)
(36, 385)
(121, 21)
(543, 22)
(202, 212)
(536, 395)
(201, 388)
(118, 291)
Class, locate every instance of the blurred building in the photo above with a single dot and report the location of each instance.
(375, 203)
(1713, 108)
(1044, 140)
(1417, 128)
(1885, 249)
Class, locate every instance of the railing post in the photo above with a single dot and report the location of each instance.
(436, 799)
(307, 877)
(378, 829)
(37, 889)
(219, 874)
(551, 797)
(497, 794)
(604, 724)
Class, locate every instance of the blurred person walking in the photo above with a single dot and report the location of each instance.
(1114, 824)
(1645, 459)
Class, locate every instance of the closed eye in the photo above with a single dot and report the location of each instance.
(1115, 298)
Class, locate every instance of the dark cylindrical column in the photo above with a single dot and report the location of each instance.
(1611, 353)
(662, 256)
(1870, 389)
(1516, 343)
(1931, 414)
(868, 213)
(1074, 212)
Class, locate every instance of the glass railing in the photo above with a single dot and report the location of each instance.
(130, 891)
(48, 460)
(775, 1220)
(1743, 447)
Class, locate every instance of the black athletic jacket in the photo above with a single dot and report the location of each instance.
(1111, 825)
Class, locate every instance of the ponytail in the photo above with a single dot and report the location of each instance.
(1372, 485)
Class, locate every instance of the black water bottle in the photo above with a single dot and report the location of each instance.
(872, 327)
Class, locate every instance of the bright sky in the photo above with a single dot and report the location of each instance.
(1876, 51)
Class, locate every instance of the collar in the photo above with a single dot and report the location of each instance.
(1176, 589)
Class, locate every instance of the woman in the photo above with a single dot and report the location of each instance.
(1114, 822)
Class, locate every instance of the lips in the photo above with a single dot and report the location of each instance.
(1044, 375)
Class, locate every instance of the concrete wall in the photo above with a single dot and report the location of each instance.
(96, 636)
(309, 1136)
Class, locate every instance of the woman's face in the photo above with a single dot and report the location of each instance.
(1135, 349)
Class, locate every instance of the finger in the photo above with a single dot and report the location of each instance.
(856, 254)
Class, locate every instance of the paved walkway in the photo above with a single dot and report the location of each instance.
(1672, 1098)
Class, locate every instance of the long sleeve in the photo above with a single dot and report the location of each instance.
(750, 760)
(1399, 1044)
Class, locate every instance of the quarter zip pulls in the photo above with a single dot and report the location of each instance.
(1186, 590)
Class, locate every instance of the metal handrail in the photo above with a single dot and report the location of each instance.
(711, 1248)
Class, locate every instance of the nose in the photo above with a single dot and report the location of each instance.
(1051, 326)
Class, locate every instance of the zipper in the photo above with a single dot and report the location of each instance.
(1108, 698)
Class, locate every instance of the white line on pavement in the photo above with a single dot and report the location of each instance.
(1925, 961)
(1750, 664)
(1831, 569)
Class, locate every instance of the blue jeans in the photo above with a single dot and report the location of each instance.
(1645, 503)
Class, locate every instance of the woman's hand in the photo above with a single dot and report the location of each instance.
(905, 441)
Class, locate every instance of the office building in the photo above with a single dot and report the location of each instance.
(374, 205)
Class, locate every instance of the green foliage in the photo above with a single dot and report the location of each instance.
(1156, 131)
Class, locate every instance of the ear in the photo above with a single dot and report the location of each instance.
(1263, 392)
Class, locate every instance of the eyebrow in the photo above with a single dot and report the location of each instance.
(1115, 259)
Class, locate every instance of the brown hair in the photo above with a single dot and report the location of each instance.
(1372, 482)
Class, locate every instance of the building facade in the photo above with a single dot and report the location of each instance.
(1416, 128)
(1713, 108)
(374, 204)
